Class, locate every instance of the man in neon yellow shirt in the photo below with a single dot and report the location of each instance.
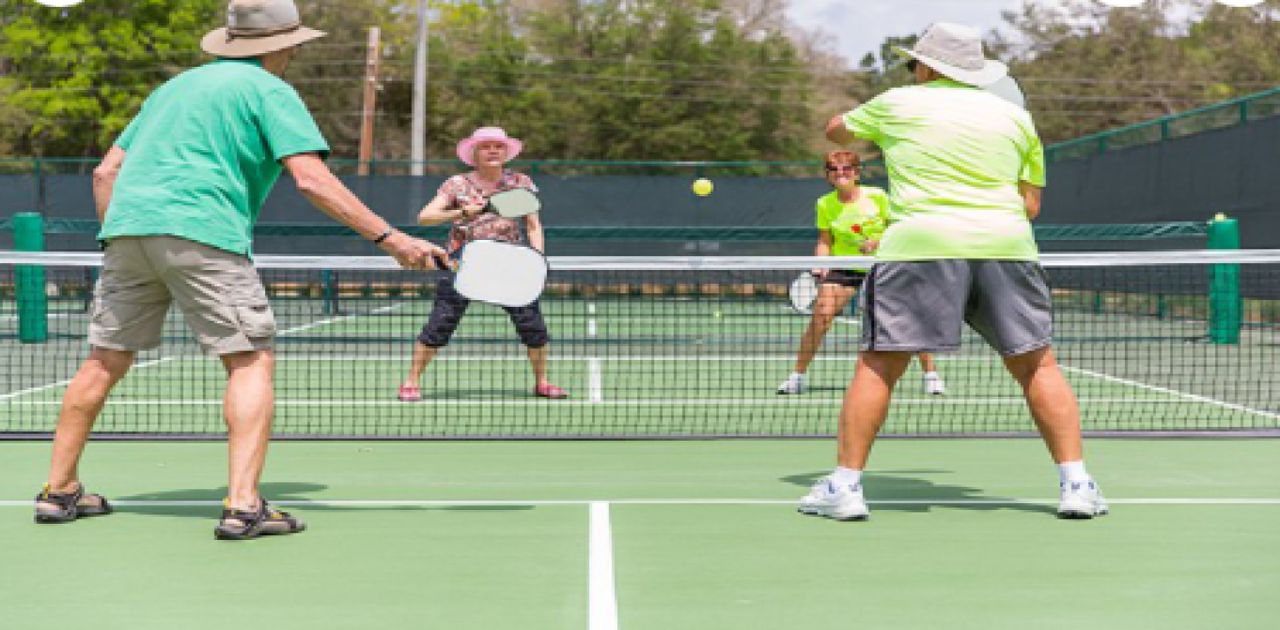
(851, 220)
(966, 168)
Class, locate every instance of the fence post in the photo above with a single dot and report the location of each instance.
(1226, 306)
(33, 304)
(37, 185)
(328, 292)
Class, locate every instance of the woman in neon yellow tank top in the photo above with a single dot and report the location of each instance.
(850, 221)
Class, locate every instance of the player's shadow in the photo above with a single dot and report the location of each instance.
(183, 502)
(487, 393)
(902, 491)
(828, 388)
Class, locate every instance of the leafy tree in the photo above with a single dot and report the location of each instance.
(80, 74)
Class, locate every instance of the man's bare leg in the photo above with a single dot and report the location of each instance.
(866, 404)
(1052, 403)
(248, 408)
(81, 403)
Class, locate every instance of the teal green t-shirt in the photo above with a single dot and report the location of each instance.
(852, 224)
(204, 152)
(955, 155)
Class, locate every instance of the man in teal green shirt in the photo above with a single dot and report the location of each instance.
(177, 196)
(965, 171)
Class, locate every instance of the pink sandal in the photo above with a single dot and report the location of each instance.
(409, 393)
(547, 390)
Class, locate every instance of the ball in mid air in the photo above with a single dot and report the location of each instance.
(703, 187)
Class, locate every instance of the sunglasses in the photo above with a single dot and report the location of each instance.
(845, 168)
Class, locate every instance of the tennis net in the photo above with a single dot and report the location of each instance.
(1153, 343)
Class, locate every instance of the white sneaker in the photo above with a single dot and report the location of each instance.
(1081, 499)
(933, 384)
(795, 384)
(843, 503)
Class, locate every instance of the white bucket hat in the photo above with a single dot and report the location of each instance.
(467, 146)
(955, 51)
(258, 27)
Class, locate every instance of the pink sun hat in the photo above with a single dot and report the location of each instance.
(467, 147)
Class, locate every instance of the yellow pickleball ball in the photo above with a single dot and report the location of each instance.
(1221, 216)
(703, 187)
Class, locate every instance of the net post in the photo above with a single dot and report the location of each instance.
(1226, 306)
(33, 305)
(328, 292)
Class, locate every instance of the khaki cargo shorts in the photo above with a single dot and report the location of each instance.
(218, 292)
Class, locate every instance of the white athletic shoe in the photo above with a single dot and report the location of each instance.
(795, 384)
(1081, 499)
(933, 384)
(842, 503)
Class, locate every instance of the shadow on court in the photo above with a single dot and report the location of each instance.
(276, 493)
(902, 485)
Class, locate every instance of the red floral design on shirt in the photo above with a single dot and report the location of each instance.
(469, 188)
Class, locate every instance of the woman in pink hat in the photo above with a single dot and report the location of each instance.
(461, 201)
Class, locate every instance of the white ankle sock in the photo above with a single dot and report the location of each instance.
(846, 476)
(1072, 471)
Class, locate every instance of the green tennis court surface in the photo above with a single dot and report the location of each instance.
(650, 367)
(660, 534)
(700, 535)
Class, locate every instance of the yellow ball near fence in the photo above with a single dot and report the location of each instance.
(703, 187)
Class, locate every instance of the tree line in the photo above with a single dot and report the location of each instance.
(617, 79)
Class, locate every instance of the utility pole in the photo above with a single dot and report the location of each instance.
(372, 57)
(419, 146)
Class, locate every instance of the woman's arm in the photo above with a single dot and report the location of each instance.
(822, 248)
(437, 211)
(533, 227)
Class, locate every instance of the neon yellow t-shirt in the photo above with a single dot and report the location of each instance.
(852, 224)
(955, 155)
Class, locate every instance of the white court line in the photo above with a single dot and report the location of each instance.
(1173, 392)
(602, 601)
(641, 402)
(39, 388)
(852, 321)
(285, 356)
(446, 503)
(288, 331)
(10, 318)
(595, 381)
(595, 367)
(334, 320)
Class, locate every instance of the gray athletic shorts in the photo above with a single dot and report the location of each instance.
(920, 306)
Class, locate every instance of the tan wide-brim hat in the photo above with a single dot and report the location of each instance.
(258, 27)
(955, 51)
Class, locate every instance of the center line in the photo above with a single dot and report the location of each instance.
(602, 599)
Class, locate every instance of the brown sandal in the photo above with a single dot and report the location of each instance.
(69, 505)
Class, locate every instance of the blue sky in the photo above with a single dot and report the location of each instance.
(858, 26)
